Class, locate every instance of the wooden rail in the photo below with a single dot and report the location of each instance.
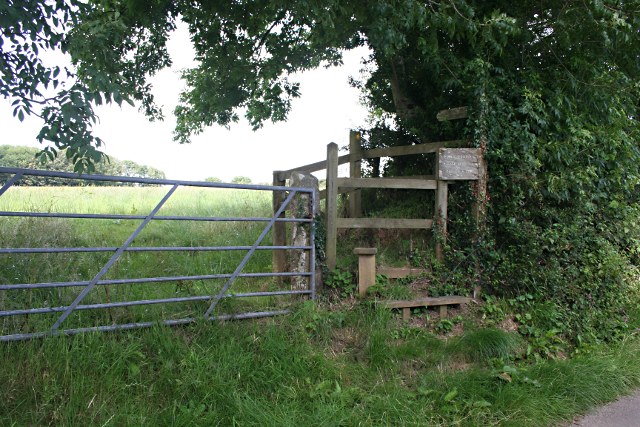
(405, 150)
(400, 183)
(335, 185)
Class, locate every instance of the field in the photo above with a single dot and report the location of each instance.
(337, 362)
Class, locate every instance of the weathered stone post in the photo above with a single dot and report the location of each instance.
(300, 260)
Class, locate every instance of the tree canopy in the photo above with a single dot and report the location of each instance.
(426, 55)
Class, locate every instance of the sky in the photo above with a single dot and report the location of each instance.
(326, 111)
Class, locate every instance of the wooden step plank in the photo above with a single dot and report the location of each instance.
(426, 302)
(400, 272)
(384, 223)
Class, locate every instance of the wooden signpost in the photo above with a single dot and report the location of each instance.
(454, 164)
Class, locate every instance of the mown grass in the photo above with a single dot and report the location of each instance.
(350, 365)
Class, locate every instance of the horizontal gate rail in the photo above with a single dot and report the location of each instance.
(155, 218)
(145, 249)
(45, 310)
(117, 251)
(138, 325)
(135, 180)
(146, 280)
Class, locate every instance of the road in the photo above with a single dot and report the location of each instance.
(624, 412)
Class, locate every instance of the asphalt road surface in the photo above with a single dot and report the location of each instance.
(621, 413)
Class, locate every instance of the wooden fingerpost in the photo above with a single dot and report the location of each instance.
(441, 218)
(332, 204)
(279, 234)
(366, 268)
(355, 171)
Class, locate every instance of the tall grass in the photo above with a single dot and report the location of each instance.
(285, 371)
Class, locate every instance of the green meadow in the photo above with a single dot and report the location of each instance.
(337, 362)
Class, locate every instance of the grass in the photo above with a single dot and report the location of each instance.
(290, 371)
(324, 365)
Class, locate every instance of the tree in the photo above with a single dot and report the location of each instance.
(26, 157)
(241, 180)
(425, 54)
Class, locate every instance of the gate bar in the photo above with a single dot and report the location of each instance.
(145, 249)
(158, 218)
(112, 260)
(138, 325)
(151, 181)
(46, 310)
(12, 181)
(250, 253)
(145, 280)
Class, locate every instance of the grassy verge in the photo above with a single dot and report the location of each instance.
(356, 367)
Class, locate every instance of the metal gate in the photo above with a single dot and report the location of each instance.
(97, 279)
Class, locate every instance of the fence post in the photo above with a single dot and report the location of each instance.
(279, 233)
(355, 171)
(332, 206)
(302, 207)
(441, 218)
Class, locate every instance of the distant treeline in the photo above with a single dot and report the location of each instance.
(25, 157)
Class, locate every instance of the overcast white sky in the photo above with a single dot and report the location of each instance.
(325, 113)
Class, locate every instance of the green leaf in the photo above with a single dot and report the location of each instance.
(451, 395)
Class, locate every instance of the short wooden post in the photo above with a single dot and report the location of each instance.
(366, 268)
(441, 217)
(355, 171)
(279, 233)
(332, 204)
(443, 311)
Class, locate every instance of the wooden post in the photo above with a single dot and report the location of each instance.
(480, 206)
(279, 234)
(366, 268)
(441, 217)
(332, 204)
(355, 171)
